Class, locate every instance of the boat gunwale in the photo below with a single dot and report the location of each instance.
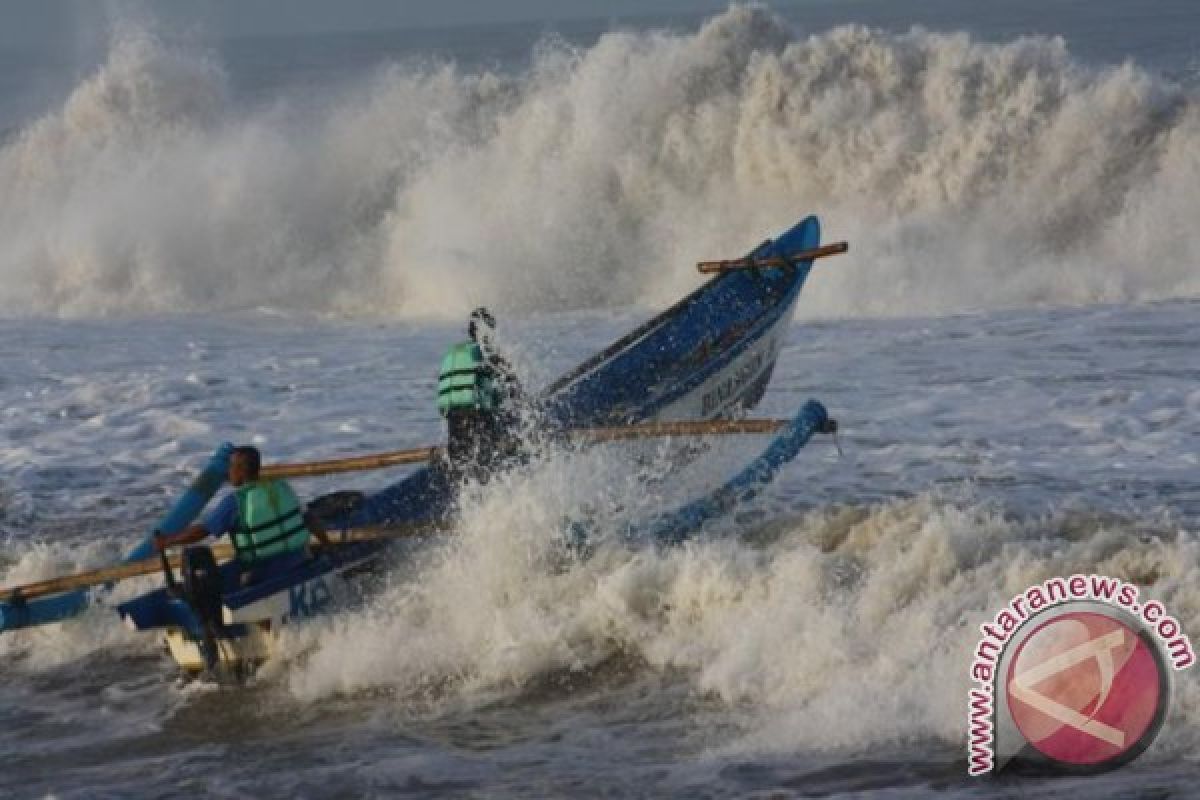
(752, 336)
(651, 326)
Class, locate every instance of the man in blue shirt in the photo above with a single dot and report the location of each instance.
(258, 545)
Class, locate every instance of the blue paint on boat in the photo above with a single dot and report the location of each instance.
(685, 522)
(677, 526)
(161, 608)
(320, 566)
(680, 348)
(644, 372)
(190, 503)
(45, 610)
(664, 362)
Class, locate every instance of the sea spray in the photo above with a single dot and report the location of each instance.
(93, 634)
(831, 620)
(848, 629)
(967, 176)
(507, 596)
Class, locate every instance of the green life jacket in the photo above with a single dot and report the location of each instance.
(270, 522)
(465, 381)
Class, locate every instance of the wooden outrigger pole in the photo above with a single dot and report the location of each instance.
(775, 261)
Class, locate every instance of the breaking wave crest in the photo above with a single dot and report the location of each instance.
(966, 175)
(842, 629)
(95, 632)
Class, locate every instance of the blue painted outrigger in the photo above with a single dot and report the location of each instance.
(55, 608)
(711, 355)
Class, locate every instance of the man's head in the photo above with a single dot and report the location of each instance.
(481, 324)
(244, 464)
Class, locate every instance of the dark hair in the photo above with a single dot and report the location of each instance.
(479, 316)
(251, 455)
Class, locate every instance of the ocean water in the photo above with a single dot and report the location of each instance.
(271, 240)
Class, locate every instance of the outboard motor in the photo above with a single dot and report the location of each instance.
(202, 585)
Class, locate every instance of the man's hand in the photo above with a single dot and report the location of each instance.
(193, 534)
(323, 546)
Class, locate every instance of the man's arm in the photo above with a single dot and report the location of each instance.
(317, 529)
(219, 521)
(189, 535)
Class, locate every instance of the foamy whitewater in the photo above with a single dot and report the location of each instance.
(597, 175)
(1010, 347)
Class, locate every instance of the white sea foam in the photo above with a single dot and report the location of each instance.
(854, 628)
(966, 175)
(94, 632)
(983, 452)
(1060, 440)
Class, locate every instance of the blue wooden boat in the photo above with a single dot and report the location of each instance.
(238, 631)
(710, 355)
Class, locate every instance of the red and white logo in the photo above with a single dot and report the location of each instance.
(1074, 674)
(1085, 689)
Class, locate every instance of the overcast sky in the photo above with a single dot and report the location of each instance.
(38, 24)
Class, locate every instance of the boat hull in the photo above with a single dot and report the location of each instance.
(251, 618)
(709, 356)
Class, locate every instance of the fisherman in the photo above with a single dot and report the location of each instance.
(269, 530)
(480, 397)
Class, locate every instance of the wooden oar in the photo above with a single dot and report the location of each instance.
(333, 466)
(699, 427)
(223, 551)
(775, 261)
(593, 435)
